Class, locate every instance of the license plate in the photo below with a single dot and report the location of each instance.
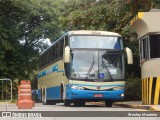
(98, 95)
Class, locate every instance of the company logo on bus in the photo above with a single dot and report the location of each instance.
(98, 87)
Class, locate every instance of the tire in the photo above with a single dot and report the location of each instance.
(50, 102)
(45, 102)
(66, 103)
(61, 92)
(44, 99)
(79, 103)
(108, 103)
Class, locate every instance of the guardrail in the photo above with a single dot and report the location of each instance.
(5, 90)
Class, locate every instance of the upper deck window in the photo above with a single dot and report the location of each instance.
(100, 42)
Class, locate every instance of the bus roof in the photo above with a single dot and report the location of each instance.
(92, 32)
(84, 32)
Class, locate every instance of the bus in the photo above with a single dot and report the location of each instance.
(83, 66)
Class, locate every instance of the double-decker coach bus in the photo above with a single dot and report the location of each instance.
(83, 66)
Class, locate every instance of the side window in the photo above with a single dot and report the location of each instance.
(49, 55)
(61, 47)
(56, 51)
(46, 61)
(53, 53)
(66, 41)
(144, 48)
(42, 60)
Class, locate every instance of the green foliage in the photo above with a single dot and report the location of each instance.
(24, 24)
(111, 15)
(133, 89)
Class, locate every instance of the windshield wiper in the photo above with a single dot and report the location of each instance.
(108, 72)
(105, 66)
(90, 69)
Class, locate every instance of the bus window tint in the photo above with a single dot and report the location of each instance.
(61, 47)
(53, 53)
(66, 40)
(49, 56)
(58, 49)
(100, 42)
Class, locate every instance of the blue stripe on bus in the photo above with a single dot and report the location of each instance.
(50, 70)
(39, 95)
(89, 94)
(53, 93)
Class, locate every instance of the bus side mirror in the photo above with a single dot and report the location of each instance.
(129, 55)
(67, 54)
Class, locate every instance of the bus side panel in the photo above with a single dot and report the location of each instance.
(39, 95)
(53, 93)
(51, 79)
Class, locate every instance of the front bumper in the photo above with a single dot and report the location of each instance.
(114, 95)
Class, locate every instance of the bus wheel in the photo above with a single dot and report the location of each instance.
(108, 103)
(66, 103)
(79, 103)
(50, 102)
(44, 96)
(41, 95)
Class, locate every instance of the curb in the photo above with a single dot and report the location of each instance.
(145, 107)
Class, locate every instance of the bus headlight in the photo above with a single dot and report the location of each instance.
(77, 87)
(118, 88)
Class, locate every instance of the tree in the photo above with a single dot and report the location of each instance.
(110, 15)
(23, 27)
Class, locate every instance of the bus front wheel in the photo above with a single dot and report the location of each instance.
(108, 103)
(79, 103)
(66, 103)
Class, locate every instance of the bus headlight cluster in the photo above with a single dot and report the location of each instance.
(118, 88)
(77, 87)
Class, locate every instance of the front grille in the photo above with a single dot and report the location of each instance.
(98, 89)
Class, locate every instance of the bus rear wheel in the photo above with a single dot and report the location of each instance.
(108, 103)
(44, 99)
(50, 102)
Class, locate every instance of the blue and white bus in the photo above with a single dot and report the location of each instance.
(83, 66)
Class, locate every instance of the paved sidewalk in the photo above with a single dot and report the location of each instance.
(138, 105)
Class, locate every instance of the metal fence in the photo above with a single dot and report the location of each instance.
(5, 90)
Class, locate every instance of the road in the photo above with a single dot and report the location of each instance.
(96, 106)
(89, 107)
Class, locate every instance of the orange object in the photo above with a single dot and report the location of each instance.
(25, 96)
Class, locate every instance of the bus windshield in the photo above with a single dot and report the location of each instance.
(93, 64)
(100, 42)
